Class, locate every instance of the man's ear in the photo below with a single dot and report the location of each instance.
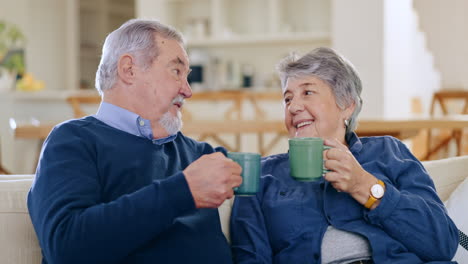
(126, 68)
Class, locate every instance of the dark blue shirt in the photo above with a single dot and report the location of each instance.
(286, 221)
(103, 195)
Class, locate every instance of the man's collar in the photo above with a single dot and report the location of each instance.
(127, 121)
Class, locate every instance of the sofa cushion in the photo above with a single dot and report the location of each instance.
(225, 215)
(18, 242)
(16, 177)
(457, 206)
(447, 174)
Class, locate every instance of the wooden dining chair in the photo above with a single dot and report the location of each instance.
(236, 101)
(450, 102)
(78, 101)
(234, 112)
(3, 170)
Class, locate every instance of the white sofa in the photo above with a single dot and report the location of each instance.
(19, 245)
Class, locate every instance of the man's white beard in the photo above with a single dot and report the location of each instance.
(172, 124)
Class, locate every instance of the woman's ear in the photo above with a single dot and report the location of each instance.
(126, 69)
(348, 112)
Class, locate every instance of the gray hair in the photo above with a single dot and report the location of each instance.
(334, 69)
(135, 37)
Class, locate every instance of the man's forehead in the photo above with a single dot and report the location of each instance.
(174, 50)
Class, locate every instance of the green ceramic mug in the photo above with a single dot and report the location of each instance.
(306, 158)
(250, 163)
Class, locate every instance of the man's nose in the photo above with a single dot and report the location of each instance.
(186, 90)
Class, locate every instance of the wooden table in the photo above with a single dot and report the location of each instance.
(406, 128)
(399, 128)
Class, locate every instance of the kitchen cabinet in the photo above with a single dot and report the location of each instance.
(231, 41)
(234, 41)
(217, 23)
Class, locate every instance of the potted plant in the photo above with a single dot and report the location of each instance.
(12, 65)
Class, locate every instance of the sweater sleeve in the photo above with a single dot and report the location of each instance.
(72, 223)
(411, 212)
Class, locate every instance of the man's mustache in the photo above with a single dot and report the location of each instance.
(179, 99)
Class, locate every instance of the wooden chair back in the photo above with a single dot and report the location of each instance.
(436, 142)
(443, 97)
(77, 101)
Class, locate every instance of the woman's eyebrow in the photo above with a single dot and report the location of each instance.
(307, 84)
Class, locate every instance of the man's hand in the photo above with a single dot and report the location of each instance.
(211, 179)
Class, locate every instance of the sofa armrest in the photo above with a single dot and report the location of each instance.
(447, 174)
(18, 241)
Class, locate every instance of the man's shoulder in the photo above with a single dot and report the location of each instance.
(189, 142)
(82, 127)
(73, 124)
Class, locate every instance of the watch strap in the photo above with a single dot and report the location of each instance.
(372, 199)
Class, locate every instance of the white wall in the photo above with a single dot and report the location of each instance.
(445, 24)
(383, 40)
(50, 55)
(357, 33)
(409, 66)
(45, 23)
(152, 9)
(398, 28)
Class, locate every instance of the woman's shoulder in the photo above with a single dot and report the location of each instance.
(387, 149)
(274, 163)
(382, 142)
(275, 159)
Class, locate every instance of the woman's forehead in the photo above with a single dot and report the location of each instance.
(303, 81)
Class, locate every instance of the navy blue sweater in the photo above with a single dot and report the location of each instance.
(102, 195)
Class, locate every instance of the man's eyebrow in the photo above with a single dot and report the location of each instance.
(176, 61)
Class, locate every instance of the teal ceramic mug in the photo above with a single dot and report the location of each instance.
(306, 158)
(250, 163)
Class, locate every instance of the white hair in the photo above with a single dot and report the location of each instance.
(332, 68)
(135, 37)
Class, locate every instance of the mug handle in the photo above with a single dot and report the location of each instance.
(324, 170)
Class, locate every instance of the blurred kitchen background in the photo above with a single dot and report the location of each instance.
(404, 50)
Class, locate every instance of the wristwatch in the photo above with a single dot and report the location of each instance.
(376, 193)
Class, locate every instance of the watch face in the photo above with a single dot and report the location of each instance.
(377, 191)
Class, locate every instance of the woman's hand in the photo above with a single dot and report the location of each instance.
(346, 174)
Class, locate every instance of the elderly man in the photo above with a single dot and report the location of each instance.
(124, 185)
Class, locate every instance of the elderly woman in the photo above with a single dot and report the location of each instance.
(376, 204)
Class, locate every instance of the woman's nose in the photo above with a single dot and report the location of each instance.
(295, 106)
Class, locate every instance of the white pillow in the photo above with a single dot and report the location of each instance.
(457, 205)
